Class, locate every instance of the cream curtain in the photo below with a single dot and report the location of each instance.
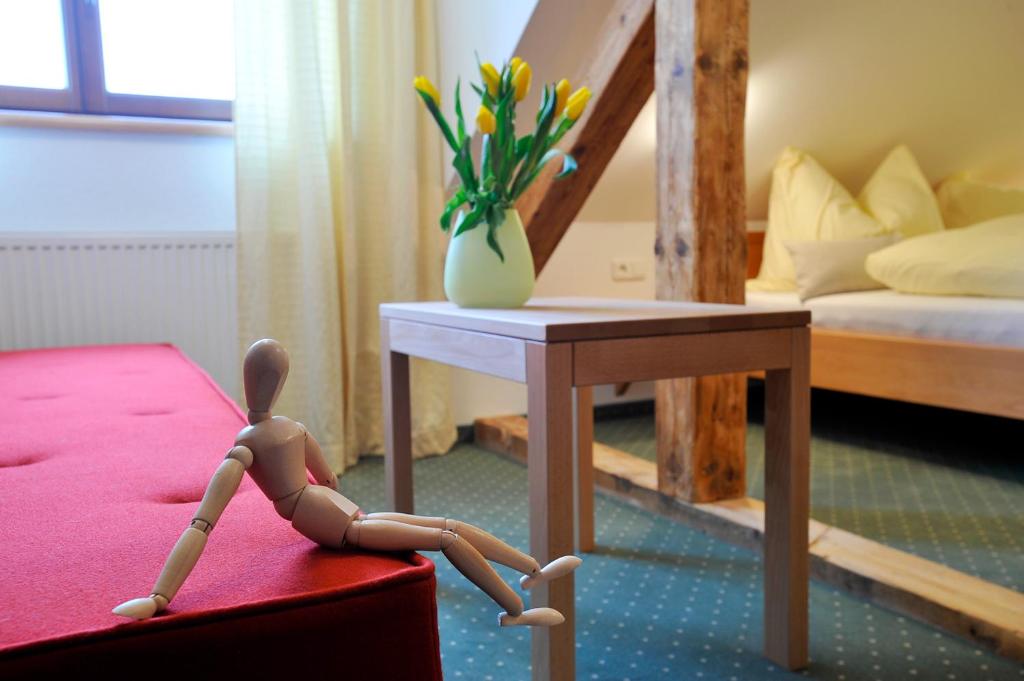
(339, 189)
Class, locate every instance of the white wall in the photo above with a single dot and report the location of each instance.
(489, 27)
(97, 181)
(88, 182)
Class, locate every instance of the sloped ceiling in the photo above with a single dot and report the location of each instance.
(849, 80)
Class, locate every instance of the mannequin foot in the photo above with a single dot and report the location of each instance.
(137, 608)
(535, 617)
(553, 570)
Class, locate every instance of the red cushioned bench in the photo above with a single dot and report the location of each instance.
(104, 454)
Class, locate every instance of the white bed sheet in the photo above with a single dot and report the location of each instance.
(987, 321)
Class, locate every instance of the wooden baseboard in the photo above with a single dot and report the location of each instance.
(979, 611)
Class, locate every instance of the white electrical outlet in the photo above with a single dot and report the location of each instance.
(628, 269)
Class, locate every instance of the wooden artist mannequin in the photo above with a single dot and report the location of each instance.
(277, 452)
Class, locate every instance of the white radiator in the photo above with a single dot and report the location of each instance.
(72, 289)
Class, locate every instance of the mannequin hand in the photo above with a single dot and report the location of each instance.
(139, 608)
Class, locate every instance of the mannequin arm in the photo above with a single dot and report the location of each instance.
(317, 464)
(186, 552)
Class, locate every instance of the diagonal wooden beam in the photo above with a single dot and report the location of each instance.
(700, 250)
(620, 73)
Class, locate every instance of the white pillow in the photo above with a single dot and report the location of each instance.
(806, 204)
(984, 260)
(967, 202)
(824, 267)
(898, 195)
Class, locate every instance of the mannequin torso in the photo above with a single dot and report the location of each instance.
(279, 463)
(278, 456)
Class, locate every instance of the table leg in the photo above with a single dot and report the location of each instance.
(549, 471)
(585, 467)
(394, 383)
(787, 498)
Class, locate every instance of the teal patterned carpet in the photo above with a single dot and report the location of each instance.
(658, 600)
(944, 485)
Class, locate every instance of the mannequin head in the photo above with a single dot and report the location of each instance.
(263, 374)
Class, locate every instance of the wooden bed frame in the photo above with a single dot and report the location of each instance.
(987, 379)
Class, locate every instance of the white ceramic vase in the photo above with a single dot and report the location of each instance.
(474, 275)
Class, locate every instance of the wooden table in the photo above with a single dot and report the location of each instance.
(557, 345)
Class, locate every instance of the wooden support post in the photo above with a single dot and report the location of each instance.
(620, 73)
(700, 84)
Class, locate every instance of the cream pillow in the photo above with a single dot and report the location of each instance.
(966, 202)
(984, 260)
(806, 204)
(898, 195)
(824, 267)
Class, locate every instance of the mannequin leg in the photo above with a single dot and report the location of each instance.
(386, 535)
(487, 544)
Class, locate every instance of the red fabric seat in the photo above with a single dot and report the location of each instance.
(104, 455)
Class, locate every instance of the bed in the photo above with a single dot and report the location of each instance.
(104, 454)
(958, 352)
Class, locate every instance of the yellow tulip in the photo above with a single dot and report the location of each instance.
(521, 78)
(491, 78)
(514, 64)
(561, 95)
(577, 102)
(423, 84)
(485, 122)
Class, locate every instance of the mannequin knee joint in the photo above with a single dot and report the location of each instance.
(448, 538)
(351, 534)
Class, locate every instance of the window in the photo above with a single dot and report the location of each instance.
(167, 58)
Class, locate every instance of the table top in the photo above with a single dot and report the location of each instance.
(570, 319)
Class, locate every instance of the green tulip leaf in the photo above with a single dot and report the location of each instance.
(563, 127)
(458, 112)
(453, 205)
(471, 220)
(439, 119)
(485, 156)
(503, 133)
(529, 168)
(543, 103)
(523, 145)
(568, 163)
(464, 167)
(494, 220)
